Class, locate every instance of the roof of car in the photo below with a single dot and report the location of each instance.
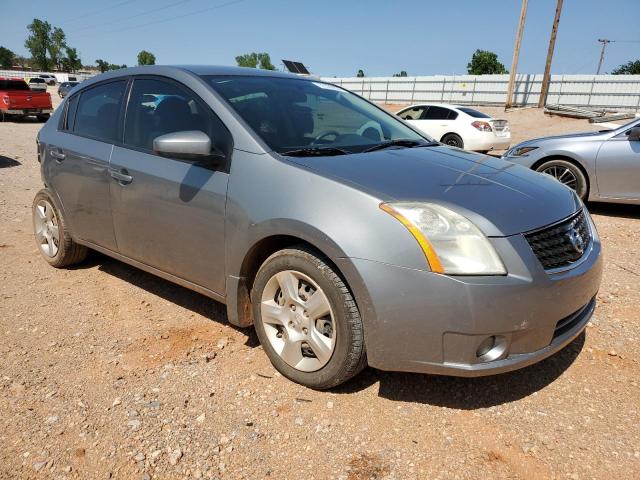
(435, 104)
(192, 69)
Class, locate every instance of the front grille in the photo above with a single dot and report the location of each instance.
(561, 244)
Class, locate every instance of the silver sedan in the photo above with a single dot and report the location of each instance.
(600, 166)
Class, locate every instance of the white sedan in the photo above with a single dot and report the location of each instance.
(459, 126)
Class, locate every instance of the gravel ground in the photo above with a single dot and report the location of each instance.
(108, 372)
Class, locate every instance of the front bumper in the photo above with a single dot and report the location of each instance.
(419, 321)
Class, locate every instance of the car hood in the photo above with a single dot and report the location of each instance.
(500, 197)
(568, 136)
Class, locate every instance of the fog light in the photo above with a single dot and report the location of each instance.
(491, 348)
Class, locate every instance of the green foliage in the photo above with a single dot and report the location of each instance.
(360, 73)
(146, 58)
(57, 44)
(72, 62)
(38, 43)
(253, 60)
(629, 68)
(401, 74)
(484, 62)
(7, 57)
(104, 66)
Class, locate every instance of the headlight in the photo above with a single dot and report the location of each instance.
(450, 242)
(520, 151)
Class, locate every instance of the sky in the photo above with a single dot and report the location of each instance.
(336, 37)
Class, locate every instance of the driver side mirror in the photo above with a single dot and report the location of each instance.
(191, 145)
(634, 134)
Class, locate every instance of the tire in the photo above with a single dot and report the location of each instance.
(567, 173)
(43, 118)
(60, 251)
(342, 326)
(453, 140)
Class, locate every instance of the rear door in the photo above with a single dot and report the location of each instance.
(78, 160)
(169, 213)
(437, 121)
(618, 167)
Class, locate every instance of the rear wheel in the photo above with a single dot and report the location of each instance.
(568, 174)
(453, 140)
(52, 237)
(307, 320)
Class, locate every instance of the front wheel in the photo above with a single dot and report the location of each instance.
(307, 320)
(568, 174)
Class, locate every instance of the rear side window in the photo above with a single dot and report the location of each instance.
(438, 113)
(474, 113)
(98, 111)
(13, 85)
(158, 107)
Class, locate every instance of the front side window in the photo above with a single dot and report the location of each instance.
(290, 114)
(157, 107)
(412, 113)
(98, 111)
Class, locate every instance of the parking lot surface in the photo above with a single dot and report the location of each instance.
(109, 372)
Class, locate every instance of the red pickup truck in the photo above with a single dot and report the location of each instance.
(18, 100)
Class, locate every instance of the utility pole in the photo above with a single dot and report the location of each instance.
(547, 69)
(604, 42)
(516, 54)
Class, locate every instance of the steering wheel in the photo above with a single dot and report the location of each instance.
(326, 133)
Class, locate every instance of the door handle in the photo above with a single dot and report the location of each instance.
(122, 176)
(58, 155)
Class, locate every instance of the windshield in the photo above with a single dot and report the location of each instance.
(292, 114)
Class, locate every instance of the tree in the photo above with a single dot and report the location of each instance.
(629, 68)
(102, 65)
(57, 44)
(7, 57)
(484, 62)
(72, 62)
(38, 42)
(360, 73)
(401, 74)
(253, 60)
(146, 58)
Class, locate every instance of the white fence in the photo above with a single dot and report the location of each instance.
(60, 77)
(606, 91)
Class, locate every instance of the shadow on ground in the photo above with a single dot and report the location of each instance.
(183, 297)
(619, 210)
(467, 393)
(6, 162)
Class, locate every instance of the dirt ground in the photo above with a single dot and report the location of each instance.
(109, 372)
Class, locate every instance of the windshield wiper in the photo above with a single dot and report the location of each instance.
(315, 152)
(401, 142)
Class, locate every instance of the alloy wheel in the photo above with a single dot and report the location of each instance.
(298, 320)
(563, 174)
(46, 228)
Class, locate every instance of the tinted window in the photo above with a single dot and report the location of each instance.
(13, 85)
(412, 113)
(290, 114)
(436, 113)
(157, 107)
(70, 117)
(98, 111)
(473, 113)
(36, 80)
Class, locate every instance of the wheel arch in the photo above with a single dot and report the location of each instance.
(569, 159)
(238, 290)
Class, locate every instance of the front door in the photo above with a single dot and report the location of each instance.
(80, 153)
(169, 213)
(618, 168)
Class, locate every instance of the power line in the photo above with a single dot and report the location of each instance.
(129, 17)
(175, 17)
(95, 12)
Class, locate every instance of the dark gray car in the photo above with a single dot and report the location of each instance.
(343, 235)
(600, 166)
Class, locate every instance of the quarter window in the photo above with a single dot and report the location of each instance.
(98, 112)
(158, 107)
